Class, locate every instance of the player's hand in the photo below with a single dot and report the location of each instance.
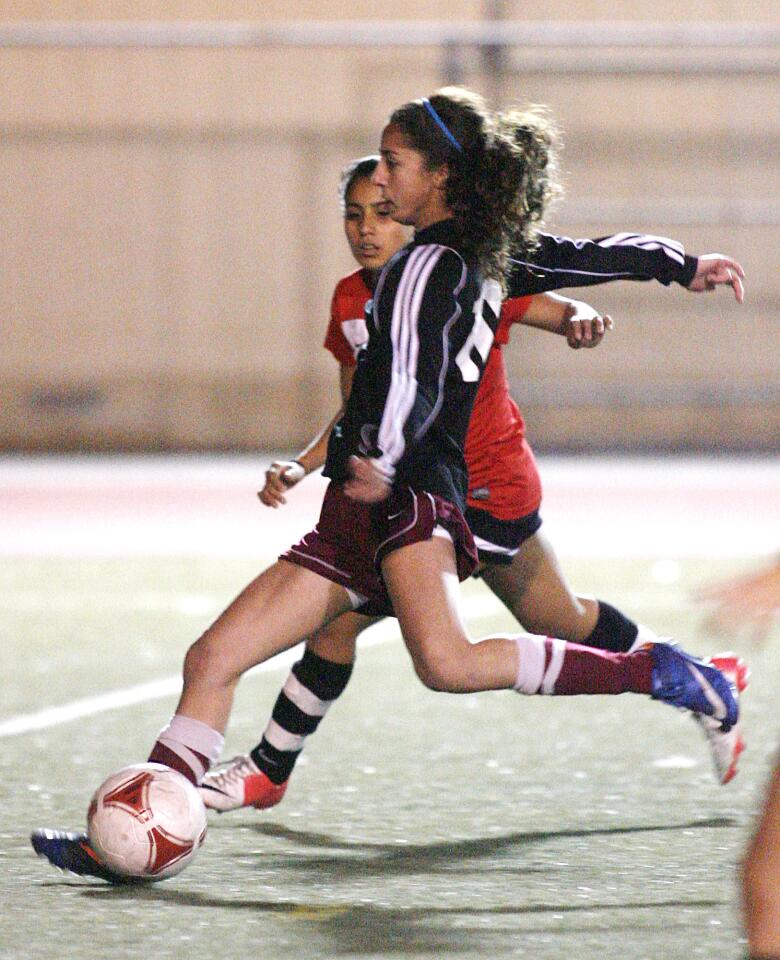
(279, 477)
(747, 604)
(367, 484)
(714, 270)
(583, 326)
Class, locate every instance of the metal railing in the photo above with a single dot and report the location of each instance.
(606, 47)
(398, 33)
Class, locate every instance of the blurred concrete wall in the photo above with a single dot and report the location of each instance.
(170, 230)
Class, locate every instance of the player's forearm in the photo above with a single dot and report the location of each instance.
(312, 457)
(549, 311)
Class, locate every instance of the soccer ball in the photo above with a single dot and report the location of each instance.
(146, 821)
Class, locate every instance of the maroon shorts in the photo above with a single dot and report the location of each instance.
(351, 539)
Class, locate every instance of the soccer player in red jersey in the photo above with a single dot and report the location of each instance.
(391, 537)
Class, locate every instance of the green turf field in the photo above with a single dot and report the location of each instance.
(417, 824)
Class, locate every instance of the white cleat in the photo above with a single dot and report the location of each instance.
(726, 745)
(239, 783)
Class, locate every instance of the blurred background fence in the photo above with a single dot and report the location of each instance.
(170, 232)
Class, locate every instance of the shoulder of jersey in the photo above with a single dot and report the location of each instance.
(447, 256)
(351, 285)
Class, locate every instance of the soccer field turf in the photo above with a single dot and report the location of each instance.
(416, 824)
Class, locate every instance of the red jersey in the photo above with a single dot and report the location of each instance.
(503, 478)
(347, 328)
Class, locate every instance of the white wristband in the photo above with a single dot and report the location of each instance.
(294, 472)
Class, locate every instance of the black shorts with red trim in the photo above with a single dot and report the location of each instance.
(499, 540)
(351, 539)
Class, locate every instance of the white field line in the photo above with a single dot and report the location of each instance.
(473, 608)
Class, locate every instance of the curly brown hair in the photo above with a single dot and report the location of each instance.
(501, 170)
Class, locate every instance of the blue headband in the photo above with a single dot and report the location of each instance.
(441, 124)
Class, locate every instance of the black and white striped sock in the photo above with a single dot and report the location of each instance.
(312, 686)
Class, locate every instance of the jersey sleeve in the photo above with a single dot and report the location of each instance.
(562, 262)
(335, 339)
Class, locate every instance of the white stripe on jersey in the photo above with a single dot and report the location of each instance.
(445, 354)
(405, 342)
(581, 273)
(646, 241)
(674, 250)
(481, 336)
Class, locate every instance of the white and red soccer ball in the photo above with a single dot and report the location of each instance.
(146, 821)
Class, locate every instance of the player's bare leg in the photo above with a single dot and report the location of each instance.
(434, 631)
(761, 878)
(260, 778)
(337, 641)
(534, 589)
(277, 610)
(445, 659)
(281, 607)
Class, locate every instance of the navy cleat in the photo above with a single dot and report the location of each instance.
(72, 852)
(692, 684)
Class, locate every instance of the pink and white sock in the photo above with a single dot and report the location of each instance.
(189, 746)
(549, 666)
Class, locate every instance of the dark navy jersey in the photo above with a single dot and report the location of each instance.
(431, 325)
(559, 262)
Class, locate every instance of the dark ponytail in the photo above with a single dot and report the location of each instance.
(501, 170)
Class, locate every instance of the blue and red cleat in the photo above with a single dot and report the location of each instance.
(710, 689)
(72, 852)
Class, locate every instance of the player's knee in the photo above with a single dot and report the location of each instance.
(203, 664)
(437, 674)
(194, 664)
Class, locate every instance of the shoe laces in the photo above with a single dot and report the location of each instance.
(235, 771)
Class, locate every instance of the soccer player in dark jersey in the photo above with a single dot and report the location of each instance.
(391, 537)
(502, 507)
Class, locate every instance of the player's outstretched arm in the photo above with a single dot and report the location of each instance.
(579, 322)
(559, 262)
(714, 270)
(284, 474)
(748, 603)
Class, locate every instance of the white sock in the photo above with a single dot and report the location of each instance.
(534, 673)
(198, 745)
